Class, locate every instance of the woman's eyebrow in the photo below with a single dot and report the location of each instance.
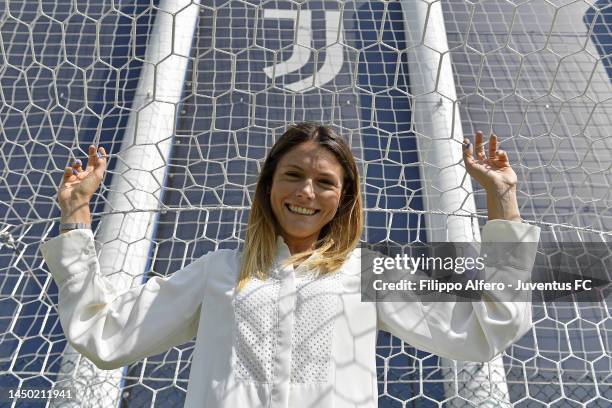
(293, 165)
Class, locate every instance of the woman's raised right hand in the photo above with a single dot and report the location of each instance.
(79, 185)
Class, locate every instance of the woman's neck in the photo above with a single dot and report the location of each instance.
(298, 245)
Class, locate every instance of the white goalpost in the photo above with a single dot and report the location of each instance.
(126, 236)
(436, 121)
(189, 95)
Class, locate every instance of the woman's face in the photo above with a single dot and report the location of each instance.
(305, 194)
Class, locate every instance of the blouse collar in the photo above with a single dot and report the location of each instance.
(282, 253)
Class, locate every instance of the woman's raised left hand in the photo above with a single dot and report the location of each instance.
(495, 175)
(491, 170)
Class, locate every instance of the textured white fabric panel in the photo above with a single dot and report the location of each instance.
(317, 307)
(256, 329)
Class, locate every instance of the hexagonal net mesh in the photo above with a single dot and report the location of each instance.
(188, 96)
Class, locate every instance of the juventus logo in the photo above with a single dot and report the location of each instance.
(334, 56)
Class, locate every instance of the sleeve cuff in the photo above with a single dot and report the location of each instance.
(69, 254)
(510, 231)
(510, 243)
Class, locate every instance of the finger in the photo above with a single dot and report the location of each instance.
(101, 156)
(69, 171)
(77, 164)
(480, 151)
(100, 163)
(492, 146)
(91, 157)
(467, 151)
(502, 156)
(102, 153)
(472, 167)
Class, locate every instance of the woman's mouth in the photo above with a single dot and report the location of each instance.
(301, 210)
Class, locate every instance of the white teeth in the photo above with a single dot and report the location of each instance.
(301, 210)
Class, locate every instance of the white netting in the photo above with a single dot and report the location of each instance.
(189, 118)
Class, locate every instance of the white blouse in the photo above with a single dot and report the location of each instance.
(289, 341)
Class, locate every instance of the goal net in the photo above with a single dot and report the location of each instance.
(188, 96)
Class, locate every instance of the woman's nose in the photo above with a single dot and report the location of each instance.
(306, 189)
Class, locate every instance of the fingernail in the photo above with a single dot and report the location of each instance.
(78, 162)
(75, 172)
(99, 154)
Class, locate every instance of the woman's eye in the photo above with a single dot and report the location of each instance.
(292, 174)
(328, 183)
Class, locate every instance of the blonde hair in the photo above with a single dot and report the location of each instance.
(337, 239)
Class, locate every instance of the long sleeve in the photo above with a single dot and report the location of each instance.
(477, 330)
(114, 328)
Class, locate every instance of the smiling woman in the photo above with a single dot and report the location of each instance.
(308, 193)
(282, 323)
